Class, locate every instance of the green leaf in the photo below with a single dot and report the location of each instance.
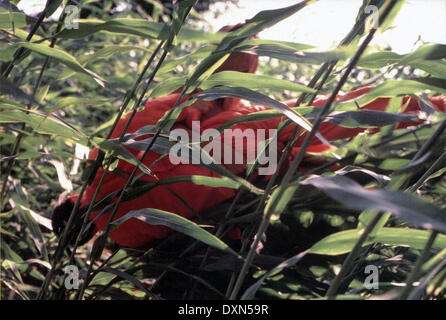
(177, 223)
(9, 88)
(51, 6)
(296, 56)
(259, 22)
(167, 86)
(436, 68)
(163, 146)
(428, 58)
(430, 51)
(274, 44)
(43, 123)
(117, 150)
(263, 115)
(251, 81)
(260, 99)
(19, 20)
(379, 60)
(137, 27)
(101, 54)
(402, 138)
(397, 5)
(285, 197)
(413, 210)
(129, 278)
(63, 57)
(344, 241)
(255, 98)
(367, 118)
(249, 294)
(33, 228)
(234, 79)
(393, 88)
(141, 188)
(200, 53)
(64, 102)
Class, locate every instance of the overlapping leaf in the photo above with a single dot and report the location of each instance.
(177, 223)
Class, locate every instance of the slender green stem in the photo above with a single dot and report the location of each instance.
(348, 263)
(20, 135)
(129, 180)
(20, 50)
(296, 162)
(432, 140)
(325, 70)
(4, 76)
(418, 265)
(90, 207)
(132, 175)
(428, 172)
(73, 214)
(351, 258)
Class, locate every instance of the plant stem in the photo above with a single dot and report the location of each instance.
(73, 214)
(349, 261)
(90, 207)
(428, 172)
(129, 180)
(132, 175)
(418, 265)
(4, 76)
(297, 160)
(20, 50)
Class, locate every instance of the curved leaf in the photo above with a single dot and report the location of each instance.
(413, 210)
(62, 56)
(177, 223)
(344, 241)
(251, 81)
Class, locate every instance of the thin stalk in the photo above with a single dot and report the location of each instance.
(354, 154)
(327, 68)
(107, 230)
(351, 258)
(297, 160)
(221, 228)
(130, 179)
(432, 140)
(428, 172)
(124, 190)
(20, 135)
(4, 76)
(418, 265)
(438, 283)
(348, 263)
(73, 214)
(20, 50)
(90, 207)
(431, 278)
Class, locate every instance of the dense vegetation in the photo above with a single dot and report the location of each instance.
(316, 229)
